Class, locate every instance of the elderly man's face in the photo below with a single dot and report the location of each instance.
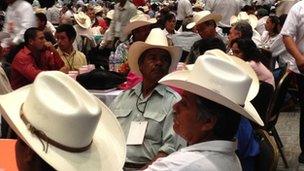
(155, 64)
(206, 29)
(186, 121)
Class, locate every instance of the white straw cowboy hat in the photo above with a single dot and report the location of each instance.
(83, 20)
(243, 16)
(202, 16)
(4, 35)
(137, 21)
(98, 9)
(55, 115)
(218, 79)
(156, 39)
(110, 14)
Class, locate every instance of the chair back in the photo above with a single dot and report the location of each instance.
(263, 98)
(279, 72)
(268, 158)
(278, 100)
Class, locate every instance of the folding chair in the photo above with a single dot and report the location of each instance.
(274, 109)
(268, 158)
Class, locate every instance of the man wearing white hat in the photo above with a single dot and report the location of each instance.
(145, 111)
(209, 113)
(60, 126)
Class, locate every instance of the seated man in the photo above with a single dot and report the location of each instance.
(73, 59)
(209, 113)
(145, 111)
(37, 55)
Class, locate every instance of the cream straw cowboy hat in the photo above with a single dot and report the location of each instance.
(110, 14)
(98, 9)
(156, 39)
(223, 80)
(64, 124)
(82, 20)
(243, 16)
(202, 16)
(137, 21)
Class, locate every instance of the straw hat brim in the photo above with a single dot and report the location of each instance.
(136, 24)
(107, 151)
(179, 79)
(86, 24)
(212, 16)
(137, 48)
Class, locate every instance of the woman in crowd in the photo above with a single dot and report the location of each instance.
(248, 51)
(168, 21)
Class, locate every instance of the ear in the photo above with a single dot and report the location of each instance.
(31, 42)
(208, 124)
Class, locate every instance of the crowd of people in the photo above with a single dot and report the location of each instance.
(192, 69)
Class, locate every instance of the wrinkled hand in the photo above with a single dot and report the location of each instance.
(49, 46)
(300, 64)
(65, 69)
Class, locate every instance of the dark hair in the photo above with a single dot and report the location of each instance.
(154, 7)
(276, 21)
(68, 29)
(249, 49)
(282, 19)
(167, 16)
(201, 46)
(30, 34)
(41, 17)
(245, 28)
(143, 55)
(227, 122)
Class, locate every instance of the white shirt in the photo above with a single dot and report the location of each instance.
(184, 9)
(294, 25)
(226, 8)
(277, 48)
(260, 28)
(207, 156)
(19, 17)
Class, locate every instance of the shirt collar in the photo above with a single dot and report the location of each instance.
(160, 89)
(217, 145)
(65, 53)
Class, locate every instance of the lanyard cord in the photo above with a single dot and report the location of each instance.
(145, 103)
(71, 65)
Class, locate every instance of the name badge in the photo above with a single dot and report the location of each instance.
(137, 133)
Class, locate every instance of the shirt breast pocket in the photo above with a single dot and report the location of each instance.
(155, 125)
(123, 116)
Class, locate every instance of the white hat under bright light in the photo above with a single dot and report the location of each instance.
(156, 39)
(82, 20)
(243, 16)
(137, 21)
(202, 16)
(66, 113)
(110, 14)
(225, 80)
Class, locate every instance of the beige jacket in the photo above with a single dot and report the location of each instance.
(5, 86)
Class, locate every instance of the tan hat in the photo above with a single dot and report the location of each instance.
(156, 39)
(98, 9)
(64, 124)
(243, 16)
(225, 80)
(202, 16)
(137, 21)
(83, 20)
(39, 10)
(145, 8)
(110, 14)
